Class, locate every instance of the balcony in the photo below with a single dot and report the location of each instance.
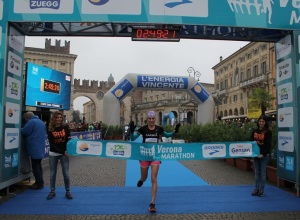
(253, 81)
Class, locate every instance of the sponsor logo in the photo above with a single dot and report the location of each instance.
(119, 150)
(12, 113)
(90, 148)
(281, 161)
(289, 163)
(286, 141)
(7, 161)
(44, 7)
(214, 150)
(13, 88)
(16, 40)
(261, 6)
(285, 117)
(128, 7)
(285, 93)
(11, 138)
(197, 8)
(52, 4)
(283, 47)
(14, 161)
(35, 70)
(14, 63)
(240, 149)
(284, 70)
(98, 2)
(175, 4)
(84, 147)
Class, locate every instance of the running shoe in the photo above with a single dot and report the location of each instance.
(152, 207)
(255, 192)
(51, 195)
(261, 193)
(68, 195)
(139, 183)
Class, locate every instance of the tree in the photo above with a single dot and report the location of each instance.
(261, 98)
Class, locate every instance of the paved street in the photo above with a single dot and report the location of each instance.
(111, 172)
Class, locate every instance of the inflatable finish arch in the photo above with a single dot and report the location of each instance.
(131, 81)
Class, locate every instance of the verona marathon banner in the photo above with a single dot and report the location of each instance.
(161, 151)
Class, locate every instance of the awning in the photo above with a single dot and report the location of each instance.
(234, 117)
(271, 112)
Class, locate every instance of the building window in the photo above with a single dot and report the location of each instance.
(225, 100)
(235, 98)
(44, 62)
(241, 96)
(236, 79)
(222, 85)
(248, 73)
(264, 67)
(255, 71)
(242, 76)
(62, 63)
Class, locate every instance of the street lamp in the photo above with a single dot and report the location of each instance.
(194, 72)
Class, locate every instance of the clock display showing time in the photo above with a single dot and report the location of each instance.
(155, 34)
(50, 86)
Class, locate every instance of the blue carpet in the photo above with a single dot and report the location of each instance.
(171, 173)
(133, 200)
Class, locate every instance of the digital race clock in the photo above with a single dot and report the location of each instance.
(155, 34)
(50, 86)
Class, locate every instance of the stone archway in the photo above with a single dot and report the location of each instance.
(92, 90)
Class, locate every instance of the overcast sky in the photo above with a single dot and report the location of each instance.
(98, 57)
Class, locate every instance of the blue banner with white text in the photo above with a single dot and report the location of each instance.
(161, 151)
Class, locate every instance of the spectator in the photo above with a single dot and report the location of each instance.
(34, 133)
(58, 135)
(263, 137)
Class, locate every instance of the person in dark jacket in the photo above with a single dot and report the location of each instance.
(34, 132)
(263, 137)
(58, 136)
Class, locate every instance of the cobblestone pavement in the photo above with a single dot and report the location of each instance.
(111, 172)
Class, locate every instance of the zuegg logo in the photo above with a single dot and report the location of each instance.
(98, 2)
(53, 4)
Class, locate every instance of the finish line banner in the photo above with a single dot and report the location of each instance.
(161, 151)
